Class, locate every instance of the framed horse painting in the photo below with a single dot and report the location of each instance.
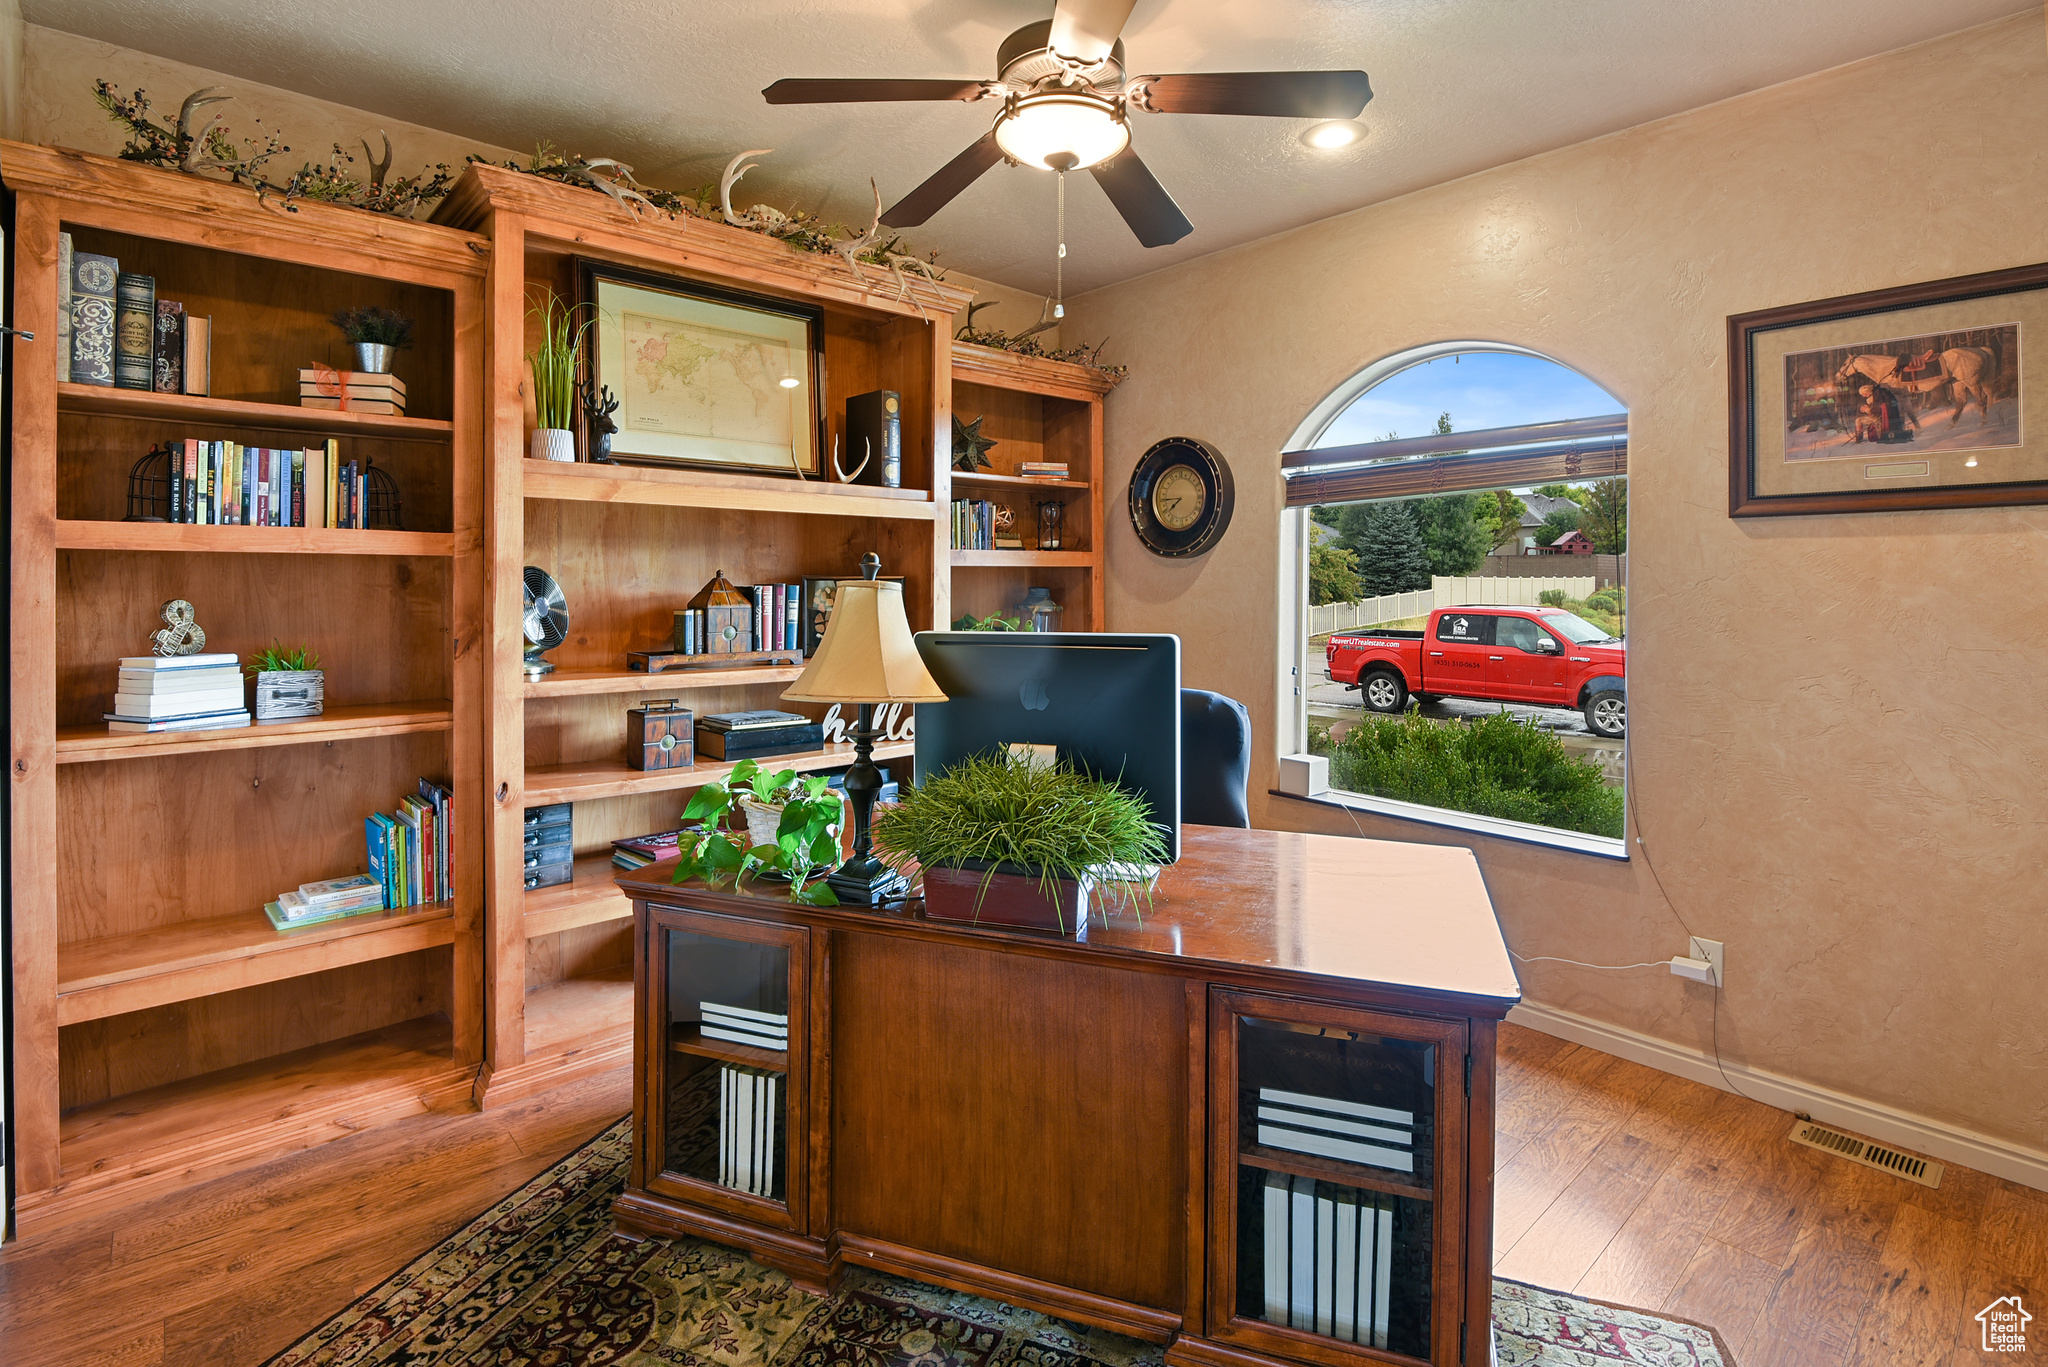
(1922, 396)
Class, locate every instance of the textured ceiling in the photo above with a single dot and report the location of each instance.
(673, 88)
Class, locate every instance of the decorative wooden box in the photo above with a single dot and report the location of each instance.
(284, 694)
(728, 618)
(659, 734)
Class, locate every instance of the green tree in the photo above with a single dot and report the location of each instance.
(1557, 524)
(1391, 556)
(1570, 491)
(1502, 512)
(1606, 519)
(1324, 513)
(1332, 575)
(1457, 531)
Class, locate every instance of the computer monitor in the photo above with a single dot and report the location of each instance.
(1109, 704)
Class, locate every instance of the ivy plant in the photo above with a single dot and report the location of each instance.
(806, 846)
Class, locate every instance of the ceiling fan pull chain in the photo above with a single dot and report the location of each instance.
(1059, 267)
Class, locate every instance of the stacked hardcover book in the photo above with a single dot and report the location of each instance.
(112, 329)
(749, 1126)
(227, 484)
(1051, 471)
(734, 736)
(409, 851)
(739, 1025)
(643, 850)
(330, 899)
(1329, 1258)
(1351, 1131)
(178, 693)
(352, 391)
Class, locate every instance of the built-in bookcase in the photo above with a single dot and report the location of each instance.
(163, 1028)
(629, 544)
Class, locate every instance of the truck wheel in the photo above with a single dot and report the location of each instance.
(1384, 691)
(1607, 715)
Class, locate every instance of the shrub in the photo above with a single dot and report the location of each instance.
(1611, 600)
(1495, 766)
(1551, 598)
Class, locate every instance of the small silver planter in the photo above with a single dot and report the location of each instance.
(373, 358)
(288, 694)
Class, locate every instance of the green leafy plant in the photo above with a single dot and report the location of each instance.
(277, 658)
(806, 844)
(993, 622)
(381, 327)
(555, 360)
(1051, 821)
(1551, 598)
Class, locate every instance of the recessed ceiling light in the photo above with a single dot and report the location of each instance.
(789, 382)
(1335, 133)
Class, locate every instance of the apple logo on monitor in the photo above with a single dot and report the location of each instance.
(1034, 696)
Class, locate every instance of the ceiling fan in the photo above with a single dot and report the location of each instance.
(1066, 96)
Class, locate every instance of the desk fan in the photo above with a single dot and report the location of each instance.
(545, 620)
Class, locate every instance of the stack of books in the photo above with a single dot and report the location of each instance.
(643, 850)
(227, 484)
(1329, 1258)
(352, 391)
(1050, 470)
(733, 736)
(739, 1025)
(408, 850)
(112, 329)
(178, 693)
(749, 1128)
(330, 899)
(1351, 1131)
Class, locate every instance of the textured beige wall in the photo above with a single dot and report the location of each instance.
(57, 110)
(1840, 741)
(13, 36)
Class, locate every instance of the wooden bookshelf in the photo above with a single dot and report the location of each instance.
(162, 1029)
(630, 544)
(1035, 409)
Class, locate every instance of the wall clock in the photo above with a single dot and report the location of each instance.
(1181, 498)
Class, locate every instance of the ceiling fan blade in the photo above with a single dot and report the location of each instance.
(1142, 200)
(856, 91)
(1280, 94)
(1086, 30)
(948, 181)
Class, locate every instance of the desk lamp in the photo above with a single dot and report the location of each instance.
(867, 657)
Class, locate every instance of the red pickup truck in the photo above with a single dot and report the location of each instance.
(1545, 656)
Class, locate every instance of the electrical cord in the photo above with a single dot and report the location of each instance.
(1612, 968)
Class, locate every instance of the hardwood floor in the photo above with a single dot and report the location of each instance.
(1615, 1181)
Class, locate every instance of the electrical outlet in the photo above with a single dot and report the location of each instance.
(1715, 953)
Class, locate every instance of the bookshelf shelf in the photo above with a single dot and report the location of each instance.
(613, 778)
(1332, 1170)
(87, 744)
(105, 977)
(173, 536)
(222, 1121)
(571, 683)
(1018, 481)
(590, 898)
(199, 410)
(687, 1039)
(968, 560)
(697, 489)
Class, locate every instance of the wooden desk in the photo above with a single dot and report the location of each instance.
(1059, 1125)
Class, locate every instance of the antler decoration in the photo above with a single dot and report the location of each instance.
(192, 146)
(762, 217)
(378, 169)
(844, 476)
(850, 250)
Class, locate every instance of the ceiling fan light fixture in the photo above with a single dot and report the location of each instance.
(1332, 134)
(1037, 128)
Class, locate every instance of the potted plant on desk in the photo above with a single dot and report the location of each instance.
(801, 847)
(1007, 842)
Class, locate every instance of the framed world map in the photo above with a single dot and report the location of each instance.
(706, 377)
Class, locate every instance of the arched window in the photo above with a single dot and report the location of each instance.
(1459, 514)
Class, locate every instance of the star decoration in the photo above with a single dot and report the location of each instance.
(968, 445)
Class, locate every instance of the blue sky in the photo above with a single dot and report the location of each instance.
(1478, 389)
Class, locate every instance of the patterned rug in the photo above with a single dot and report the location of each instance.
(540, 1279)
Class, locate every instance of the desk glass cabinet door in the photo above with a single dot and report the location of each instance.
(725, 1112)
(1338, 1180)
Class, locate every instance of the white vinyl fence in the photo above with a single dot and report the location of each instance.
(1392, 607)
(1516, 592)
(1325, 618)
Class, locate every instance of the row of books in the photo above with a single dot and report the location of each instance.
(227, 484)
(974, 527)
(773, 623)
(1329, 1258)
(1350, 1131)
(408, 849)
(330, 899)
(749, 1128)
(742, 1025)
(112, 329)
(177, 693)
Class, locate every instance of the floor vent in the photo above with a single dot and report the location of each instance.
(1910, 1166)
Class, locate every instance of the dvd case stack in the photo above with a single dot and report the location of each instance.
(1329, 1258)
(749, 1126)
(1350, 1131)
(738, 1025)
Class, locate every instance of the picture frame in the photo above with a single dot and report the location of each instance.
(707, 378)
(818, 591)
(1925, 396)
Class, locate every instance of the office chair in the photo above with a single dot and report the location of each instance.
(1215, 754)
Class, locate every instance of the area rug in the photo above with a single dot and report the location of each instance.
(539, 1279)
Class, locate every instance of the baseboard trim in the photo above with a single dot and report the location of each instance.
(1949, 1143)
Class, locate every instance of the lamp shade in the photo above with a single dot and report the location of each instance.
(867, 654)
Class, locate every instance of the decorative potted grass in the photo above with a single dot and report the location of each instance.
(289, 683)
(375, 334)
(1005, 842)
(554, 364)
